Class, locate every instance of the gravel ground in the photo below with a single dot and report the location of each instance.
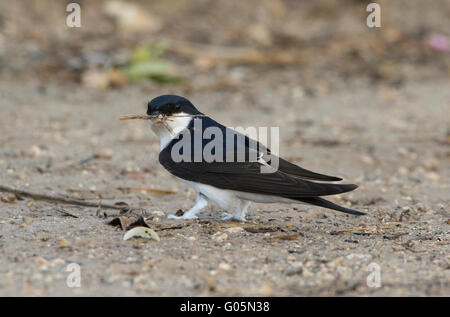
(62, 139)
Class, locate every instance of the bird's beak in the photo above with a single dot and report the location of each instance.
(155, 113)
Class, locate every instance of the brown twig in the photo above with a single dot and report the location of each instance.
(136, 117)
(62, 200)
(369, 229)
(153, 190)
(146, 117)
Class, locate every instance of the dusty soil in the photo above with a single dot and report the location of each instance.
(369, 105)
(393, 143)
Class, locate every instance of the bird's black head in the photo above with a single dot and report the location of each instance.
(170, 105)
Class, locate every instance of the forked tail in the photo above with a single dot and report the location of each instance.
(318, 201)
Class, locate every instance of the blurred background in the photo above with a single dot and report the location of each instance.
(201, 44)
(371, 105)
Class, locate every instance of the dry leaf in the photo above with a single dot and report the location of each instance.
(141, 232)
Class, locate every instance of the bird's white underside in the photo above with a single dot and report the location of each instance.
(223, 197)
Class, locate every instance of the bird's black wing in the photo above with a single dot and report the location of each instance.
(295, 170)
(247, 177)
(249, 146)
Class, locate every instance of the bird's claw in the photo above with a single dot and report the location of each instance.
(228, 217)
(184, 217)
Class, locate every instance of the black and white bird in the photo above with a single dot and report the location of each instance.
(226, 182)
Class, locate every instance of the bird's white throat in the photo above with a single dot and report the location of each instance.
(171, 127)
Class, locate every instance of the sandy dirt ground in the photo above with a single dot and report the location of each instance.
(393, 143)
(369, 105)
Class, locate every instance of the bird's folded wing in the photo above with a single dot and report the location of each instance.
(295, 170)
(283, 165)
(247, 177)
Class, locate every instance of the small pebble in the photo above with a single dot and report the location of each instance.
(224, 266)
(27, 220)
(295, 269)
(8, 198)
(219, 236)
(158, 213)
(64, 244)
(234, 230)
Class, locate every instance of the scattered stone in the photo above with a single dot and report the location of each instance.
(37, 151)
(158, 213)
(403, 170)
(58, 261)
(433, 176)
(101, 80)
(132, 17)
(234, 230)
(293, 270)
(8, 198)
(430, 164)
(40, 261)
(219, 236)
(367, 160)
(27, 220)
(224, 266)
(42, 236)
(64, 244)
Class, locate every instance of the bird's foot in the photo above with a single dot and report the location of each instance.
(184, 217)
(229, 217)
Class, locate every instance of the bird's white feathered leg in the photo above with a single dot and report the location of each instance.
(239, 215)
(200, 203)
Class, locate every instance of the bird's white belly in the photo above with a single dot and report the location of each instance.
(225, 197)
(267, 199)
